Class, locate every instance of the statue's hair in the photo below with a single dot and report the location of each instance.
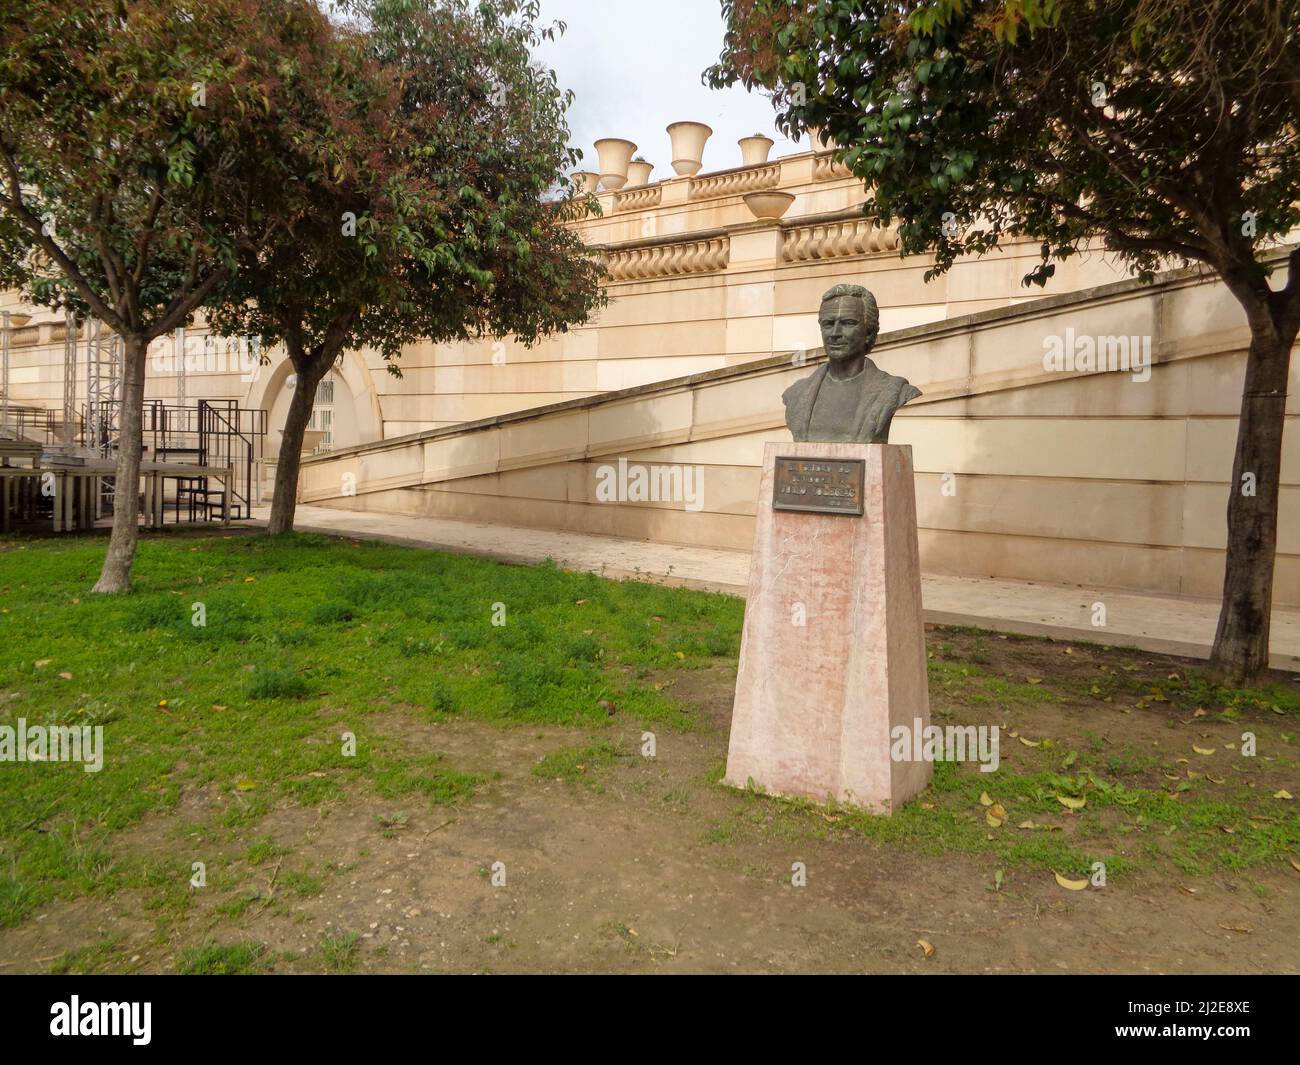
(869, 308)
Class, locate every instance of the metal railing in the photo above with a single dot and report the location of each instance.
(38, 424)
(208, 433)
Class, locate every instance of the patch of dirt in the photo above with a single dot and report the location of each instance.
(640, 866)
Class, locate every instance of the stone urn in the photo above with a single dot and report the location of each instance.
(688, 146)
(819, 141)
(768, 205)
(615, 155)
(638, 172)
(586, 181)
(754, 150)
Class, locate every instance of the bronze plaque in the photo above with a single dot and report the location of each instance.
(823, 486)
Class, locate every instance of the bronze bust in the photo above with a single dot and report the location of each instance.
(849, 399)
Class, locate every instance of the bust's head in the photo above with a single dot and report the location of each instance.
(850, 321)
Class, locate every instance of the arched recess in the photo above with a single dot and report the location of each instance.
(271, 392)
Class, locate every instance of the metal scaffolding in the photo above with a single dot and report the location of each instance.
(103, 387)
(70, 327)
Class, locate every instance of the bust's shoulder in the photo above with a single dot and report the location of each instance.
(800, 387)
(893, 383)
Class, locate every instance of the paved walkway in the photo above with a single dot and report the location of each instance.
(1152, 622)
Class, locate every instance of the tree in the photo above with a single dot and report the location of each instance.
(432, 223)
(135, 170)
(1166, 127)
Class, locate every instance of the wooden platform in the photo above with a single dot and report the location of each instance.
(75, 487)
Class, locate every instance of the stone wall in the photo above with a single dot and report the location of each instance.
(1022, 472)
(697, 284)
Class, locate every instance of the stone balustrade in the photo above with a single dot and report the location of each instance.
(836, 239)
(736, 182)
(665, 260)
(639, 199)
(826, 168)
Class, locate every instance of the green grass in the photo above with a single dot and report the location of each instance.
(87, 960)
(573, 764)
(339, 952)
(1198, 826)
(310, 640)
(215, 959)
(306, 638)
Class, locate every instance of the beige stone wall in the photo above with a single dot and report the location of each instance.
(697, 285)
(1057, 476)
(1074, 477)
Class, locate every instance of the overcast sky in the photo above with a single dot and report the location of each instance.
(634, 67)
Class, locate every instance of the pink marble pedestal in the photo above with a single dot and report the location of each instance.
(833, 654)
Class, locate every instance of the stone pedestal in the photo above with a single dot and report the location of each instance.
(833, 655)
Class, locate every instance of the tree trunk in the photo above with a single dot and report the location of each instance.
(1240, 653)
(285, 500)
(116, 573)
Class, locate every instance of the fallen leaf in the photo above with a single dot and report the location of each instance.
(244, 784)
(984, 799)
(1071, 802)
(1235, 928)
(1187, 890)
(992, 819)
(926, 947)
(66, 676)
(1282, 793)
(43, 662)
(1029, 743)
(1295, 865)
(1203, 750)
(1070, 885)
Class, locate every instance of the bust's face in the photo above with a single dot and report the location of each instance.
(845, 332)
